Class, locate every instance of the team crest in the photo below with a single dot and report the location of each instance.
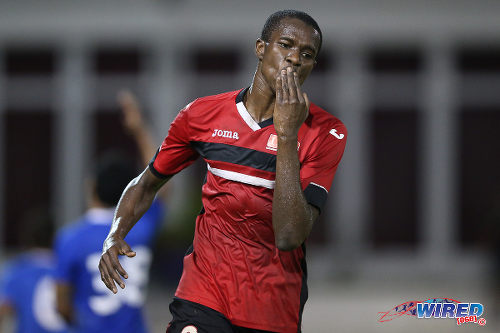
(272, 143)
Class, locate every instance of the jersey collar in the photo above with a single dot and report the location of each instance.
(245, 115)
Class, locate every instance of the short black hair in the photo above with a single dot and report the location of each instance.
(274, 20)
(113, 172)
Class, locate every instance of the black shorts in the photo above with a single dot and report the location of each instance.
(189, 317)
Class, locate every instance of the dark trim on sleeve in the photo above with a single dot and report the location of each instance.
(316, 196)
(152, 168)
(156, 173)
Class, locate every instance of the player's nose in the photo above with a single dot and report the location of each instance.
(293, 58)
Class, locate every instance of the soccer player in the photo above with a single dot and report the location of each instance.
(271, 157)
(27, 290)
(86, 304)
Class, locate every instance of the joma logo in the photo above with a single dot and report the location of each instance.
(225, 134)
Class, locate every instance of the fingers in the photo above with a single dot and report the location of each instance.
(110, 263)
(306, 99)
(110, 266)
(127, 101)
(126, 250)
(292, 87)
(300, 94)
(284, 86)
(308, 103)
(116, 265)
(279, 90)
(105, 276)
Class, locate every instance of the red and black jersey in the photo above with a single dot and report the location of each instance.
(235, 267)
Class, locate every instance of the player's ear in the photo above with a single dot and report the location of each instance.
(260, 46)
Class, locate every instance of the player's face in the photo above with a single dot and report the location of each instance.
(293, 44)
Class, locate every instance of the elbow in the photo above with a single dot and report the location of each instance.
(288, 243)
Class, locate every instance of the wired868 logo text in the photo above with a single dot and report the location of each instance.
(445, 308)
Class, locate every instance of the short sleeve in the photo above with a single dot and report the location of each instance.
(66, 257)
(318, 170)
(176, 152)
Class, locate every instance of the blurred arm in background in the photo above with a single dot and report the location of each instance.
(133, 122)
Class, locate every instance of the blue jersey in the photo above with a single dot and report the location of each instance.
(79, 248)
(28, 286)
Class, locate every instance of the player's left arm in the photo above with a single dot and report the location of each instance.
(293, 216)
(7, 299)
(6, 311)
(64, 249)
(64, 301)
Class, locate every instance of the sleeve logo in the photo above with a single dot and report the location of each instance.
(339, 136)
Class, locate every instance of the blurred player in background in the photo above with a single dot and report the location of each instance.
(27, 290)
(82, 300)
(271, 157)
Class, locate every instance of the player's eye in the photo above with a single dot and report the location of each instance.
(284, 45)
(307, 55)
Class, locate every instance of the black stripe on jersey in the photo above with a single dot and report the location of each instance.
(303, 290)
(316, 196)
(237, 155)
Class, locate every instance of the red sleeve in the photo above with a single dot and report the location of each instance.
(175, 153)
(318, 170)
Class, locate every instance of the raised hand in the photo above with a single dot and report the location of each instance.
(292, 105)
(132, 120)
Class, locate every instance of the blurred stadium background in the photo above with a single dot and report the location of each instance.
(415, 208)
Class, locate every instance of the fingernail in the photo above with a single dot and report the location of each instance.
(125, 276)
(114, 290)
(283, 72)
(289, 69)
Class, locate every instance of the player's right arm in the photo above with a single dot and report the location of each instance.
(135, 201)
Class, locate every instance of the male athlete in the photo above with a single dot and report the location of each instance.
(85, 303)
(271, 157)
